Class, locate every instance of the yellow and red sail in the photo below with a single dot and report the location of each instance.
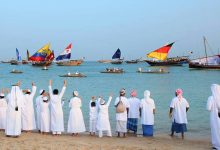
(160, 53)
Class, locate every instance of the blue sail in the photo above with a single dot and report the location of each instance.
(18, 55)
(117, 54)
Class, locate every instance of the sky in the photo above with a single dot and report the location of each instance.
(96, 28)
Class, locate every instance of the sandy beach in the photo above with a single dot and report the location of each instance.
(36, 141)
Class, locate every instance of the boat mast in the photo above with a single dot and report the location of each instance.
(205, 50)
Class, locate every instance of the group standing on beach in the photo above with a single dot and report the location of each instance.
(17, 113)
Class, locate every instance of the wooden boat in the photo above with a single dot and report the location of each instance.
(24, 62)
(117, 61)
(160, 57)
(207, 62)
(16, 71)
(43, 57)
(163, 63)
(64, 58)
(70, 63)
(14, 62)
(160, 71)
(116, 57)
(132, 61)
(113, 70)
(104, 61)
(73, 75)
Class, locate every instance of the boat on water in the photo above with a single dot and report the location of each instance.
(64, 58)
(76, 74)
(160, 71)
(160, 57)
(44, 68)
(207, 62)
(116, 58)
(24, 62)
(16, 71)
(43, 57)
(134, 61)
(14, 61)
(113, 70)
(104, 61)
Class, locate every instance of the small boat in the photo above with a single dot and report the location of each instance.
(132, 61)
(160, 57)
(116, 57)
(64, 58)
(43, 57)
(14, 62)
(113, 70)
(207, 62)
(6, 62)
(104, 61)
(24, 62)
(16, 71)
(160, 71)
(77, 74)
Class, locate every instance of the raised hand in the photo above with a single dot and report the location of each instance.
(64, 83)
(50, 82)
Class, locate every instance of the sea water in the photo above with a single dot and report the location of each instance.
(195, 84)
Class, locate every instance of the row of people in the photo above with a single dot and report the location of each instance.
(18, 113)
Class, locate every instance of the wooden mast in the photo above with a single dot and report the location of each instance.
(205, 50)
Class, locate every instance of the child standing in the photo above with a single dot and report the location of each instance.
(92, 116)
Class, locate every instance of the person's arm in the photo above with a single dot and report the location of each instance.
(154, 108)
(50, 89)
(154, 111)
(109, 100)
(63, 89)
(34, 89)
(171, 111)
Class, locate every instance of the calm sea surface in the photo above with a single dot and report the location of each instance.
(195, 84)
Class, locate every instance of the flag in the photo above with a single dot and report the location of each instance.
(66, 54)
(42, 54)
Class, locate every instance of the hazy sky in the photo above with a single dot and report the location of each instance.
(98, 27)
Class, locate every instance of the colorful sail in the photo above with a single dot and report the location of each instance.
(42, 54)
(66, 54)
(117, 54)
(18, 55)
(161, 53)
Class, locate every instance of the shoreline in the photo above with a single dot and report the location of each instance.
(86, 142)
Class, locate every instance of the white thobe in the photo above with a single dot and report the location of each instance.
(56, 113)
(27, 112)
(103, 123)
(13, 119)
(214, 122)
(92, 117)
(75, 123)
(44, 117)
(147, 108)
(39, 99)
(179, 110)
(3, 109)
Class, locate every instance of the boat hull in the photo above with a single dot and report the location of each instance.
(70, 63)
(131, 61)
(40, 64)
(203, 66)
(164, 63)
(117, 62)
(104, 61)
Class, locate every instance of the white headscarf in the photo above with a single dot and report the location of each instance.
(16, 97)
(215, 88)
(76, 93)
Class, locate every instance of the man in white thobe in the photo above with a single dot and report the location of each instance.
(39, 99)
(15, 104)
(214, 108)
(57, 123)
(27, 112)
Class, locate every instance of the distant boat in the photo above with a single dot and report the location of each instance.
(64, 58)
(160, 57)
(16, 62)
(43, 57)
(113, 70)
(132, 61)
(27, 60)
(16, 71)
(207, 62)
(116, 58)
(160, 71)
(104, 61)
(77, 74)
